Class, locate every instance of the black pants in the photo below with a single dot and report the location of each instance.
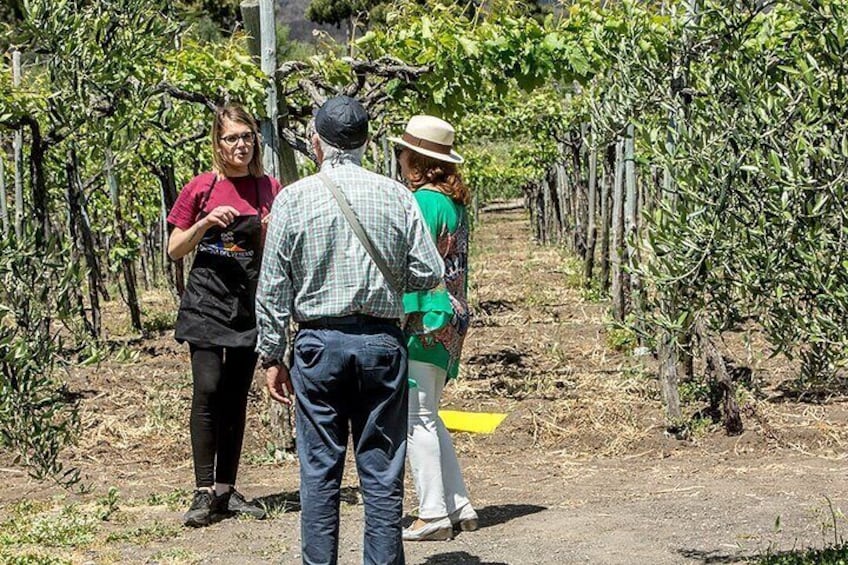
(222, 378)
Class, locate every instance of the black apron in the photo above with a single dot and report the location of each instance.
(218, 305)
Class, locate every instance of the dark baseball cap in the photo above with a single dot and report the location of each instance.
(342, 122)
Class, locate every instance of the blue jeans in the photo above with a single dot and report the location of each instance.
(351, 380)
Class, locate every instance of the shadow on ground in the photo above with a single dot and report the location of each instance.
(281, 502)
(707, 557)
(505, 357)
(290, 501)
(830, 392)
(494, 515)
(459, 558)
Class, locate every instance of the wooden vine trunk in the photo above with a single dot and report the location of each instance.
(545, 189)
(167, 180)
(561, 184)
(537, 211)
(669, 379)
(581, 191)
(38, 183)
(81, 231)
(127, 266)
(717, 370)
(568, 197)
(74, 238)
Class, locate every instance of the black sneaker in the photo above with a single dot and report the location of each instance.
(200, 512)
(238, 505)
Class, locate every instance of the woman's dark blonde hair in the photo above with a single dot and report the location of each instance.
(441, 174)
(235, 113)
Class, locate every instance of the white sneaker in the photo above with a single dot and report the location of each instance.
(465, 518)
(435, 530)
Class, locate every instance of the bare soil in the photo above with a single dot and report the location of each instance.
(581, 471)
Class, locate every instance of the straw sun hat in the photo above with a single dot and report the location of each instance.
(429, 136)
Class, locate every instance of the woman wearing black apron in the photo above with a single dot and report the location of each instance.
(221, 215)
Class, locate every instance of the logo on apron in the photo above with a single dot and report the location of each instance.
(226, 246)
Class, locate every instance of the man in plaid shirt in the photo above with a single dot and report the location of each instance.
(349, 366)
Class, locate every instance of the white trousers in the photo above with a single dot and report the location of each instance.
(435, 468)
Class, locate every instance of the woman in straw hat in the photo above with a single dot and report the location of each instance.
(438, 320)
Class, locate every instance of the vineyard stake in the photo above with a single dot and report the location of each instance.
(591, 228)
(631, 214)
(268, 46)
(618, 234)
(18, 150)
(4, 210)
(605, 222)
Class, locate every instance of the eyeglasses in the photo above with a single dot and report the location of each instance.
(247, 137)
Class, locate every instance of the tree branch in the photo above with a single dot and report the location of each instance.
(299, 112)
(312, 91)
(297, 143)
(353, 88)
(201, 132)
(185, 95)
(388, 67)
(289, 68)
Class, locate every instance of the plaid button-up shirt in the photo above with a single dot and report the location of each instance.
(314, 266)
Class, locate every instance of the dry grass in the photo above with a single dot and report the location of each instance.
(538, 350)
(542, 350)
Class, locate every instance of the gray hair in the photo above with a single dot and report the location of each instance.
(333, 153)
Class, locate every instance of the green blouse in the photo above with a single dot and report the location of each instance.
(439, 318)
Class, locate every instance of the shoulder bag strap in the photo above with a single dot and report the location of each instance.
(351, 218)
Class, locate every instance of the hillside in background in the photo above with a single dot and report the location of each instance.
(293, 14)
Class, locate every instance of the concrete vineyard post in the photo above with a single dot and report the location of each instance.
(18, 152)
(4, 209)
(591, 227)
(617, 248)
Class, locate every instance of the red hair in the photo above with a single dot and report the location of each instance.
(441, 174)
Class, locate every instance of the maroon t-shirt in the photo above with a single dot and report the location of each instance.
(242, 193)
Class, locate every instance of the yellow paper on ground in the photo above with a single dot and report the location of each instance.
(477, 422)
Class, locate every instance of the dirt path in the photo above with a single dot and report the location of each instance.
(580, 471)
